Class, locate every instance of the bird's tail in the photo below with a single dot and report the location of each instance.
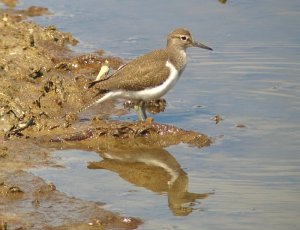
(94, 101)
(91, 84)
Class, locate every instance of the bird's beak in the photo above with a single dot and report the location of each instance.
(200, 45)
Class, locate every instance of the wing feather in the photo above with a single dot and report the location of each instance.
(144, 72)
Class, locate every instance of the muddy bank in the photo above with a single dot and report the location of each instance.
(30, 203)
(42, 88)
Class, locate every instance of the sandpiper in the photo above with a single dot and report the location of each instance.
(149, 76)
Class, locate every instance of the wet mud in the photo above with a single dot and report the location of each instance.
(42, 88)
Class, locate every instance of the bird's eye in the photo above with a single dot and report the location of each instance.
(184, 38)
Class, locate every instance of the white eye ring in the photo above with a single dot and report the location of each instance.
(184, 38)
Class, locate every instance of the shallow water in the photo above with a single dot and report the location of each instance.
(251, 79)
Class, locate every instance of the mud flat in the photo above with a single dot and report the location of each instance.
(42, 86)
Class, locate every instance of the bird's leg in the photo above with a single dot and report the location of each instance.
(140, 109)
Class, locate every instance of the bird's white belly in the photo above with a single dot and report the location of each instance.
(158, 91)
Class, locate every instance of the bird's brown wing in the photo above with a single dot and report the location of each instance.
(144, 72)
(91, 84)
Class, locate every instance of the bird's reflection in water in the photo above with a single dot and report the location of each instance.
(154, 169)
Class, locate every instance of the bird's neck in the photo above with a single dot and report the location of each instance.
(177, 56)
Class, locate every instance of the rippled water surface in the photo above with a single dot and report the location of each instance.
(251, 79)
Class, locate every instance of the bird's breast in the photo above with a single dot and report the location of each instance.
(162, 89)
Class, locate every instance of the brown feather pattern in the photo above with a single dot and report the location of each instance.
(141, 72)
